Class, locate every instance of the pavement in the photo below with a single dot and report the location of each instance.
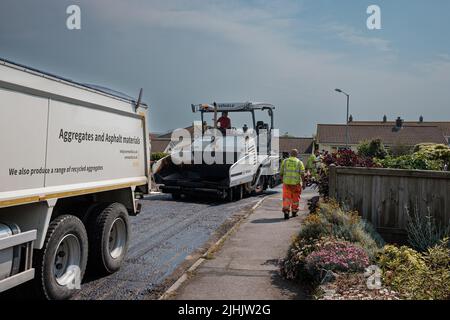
(246, 266)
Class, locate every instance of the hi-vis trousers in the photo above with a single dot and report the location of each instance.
(291, 197)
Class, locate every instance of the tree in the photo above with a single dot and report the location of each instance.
(372, 149)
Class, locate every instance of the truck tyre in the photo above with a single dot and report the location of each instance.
(230, 194)
(238, 193)
(61, 263)
(108, 238)
(259, 188)
(176, 196)
(247, 190)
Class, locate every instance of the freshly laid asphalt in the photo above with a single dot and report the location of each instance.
(164, 235)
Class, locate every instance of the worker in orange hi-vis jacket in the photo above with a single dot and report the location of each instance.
(291, 172)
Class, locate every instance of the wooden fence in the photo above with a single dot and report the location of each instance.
(385, 196)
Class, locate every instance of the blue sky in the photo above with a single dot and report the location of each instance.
(291, 53)
(415, 29)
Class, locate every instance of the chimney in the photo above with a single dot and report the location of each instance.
(350, 119)
(384, 119)
(421, 119)
(399, 123)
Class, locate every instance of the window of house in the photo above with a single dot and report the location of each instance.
(448, 141)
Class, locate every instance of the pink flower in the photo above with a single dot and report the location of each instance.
(337, 256)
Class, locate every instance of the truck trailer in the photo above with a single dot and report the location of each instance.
(72, 157)
(227, 163)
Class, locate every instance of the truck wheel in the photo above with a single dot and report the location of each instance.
(230, 194)
(176, 196)
(108, 238)
(238, 193)
(61, 264)
(259, 188)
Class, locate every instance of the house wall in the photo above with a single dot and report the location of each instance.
(331, 148)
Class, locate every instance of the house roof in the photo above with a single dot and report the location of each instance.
(168, 135)
(303, 145)
(407, 135)
(154, 135)
(443, 125)
(159, 144)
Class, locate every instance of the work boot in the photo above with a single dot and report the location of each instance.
(294, 214)
(286, 215)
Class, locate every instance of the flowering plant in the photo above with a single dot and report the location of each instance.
(348, 158)
(336, 255)
(292, 267)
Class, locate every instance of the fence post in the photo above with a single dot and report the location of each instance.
(332, 181)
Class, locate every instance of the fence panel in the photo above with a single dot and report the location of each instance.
(385, 196)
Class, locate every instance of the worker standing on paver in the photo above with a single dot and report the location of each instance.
(291, 172)
(224, 121)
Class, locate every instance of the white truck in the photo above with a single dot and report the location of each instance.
(71, 158)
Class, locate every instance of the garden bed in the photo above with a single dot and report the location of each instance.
(336, 252)
(353, 287)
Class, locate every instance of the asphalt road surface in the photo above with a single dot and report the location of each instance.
(164, 235)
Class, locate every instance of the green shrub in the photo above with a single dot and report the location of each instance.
(436, 279)
(415, 161)
(424, 231)
(330, 220)
(398, 264)
(434, 151)
(293, 266)
(372, 149)
(371, 233)
(417, 276)
(425, 157)
(315, 227)
(363, 148)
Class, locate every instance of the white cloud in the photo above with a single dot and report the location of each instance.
(231, 19)
(352, 36)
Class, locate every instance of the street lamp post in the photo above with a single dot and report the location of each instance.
(346, 120)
